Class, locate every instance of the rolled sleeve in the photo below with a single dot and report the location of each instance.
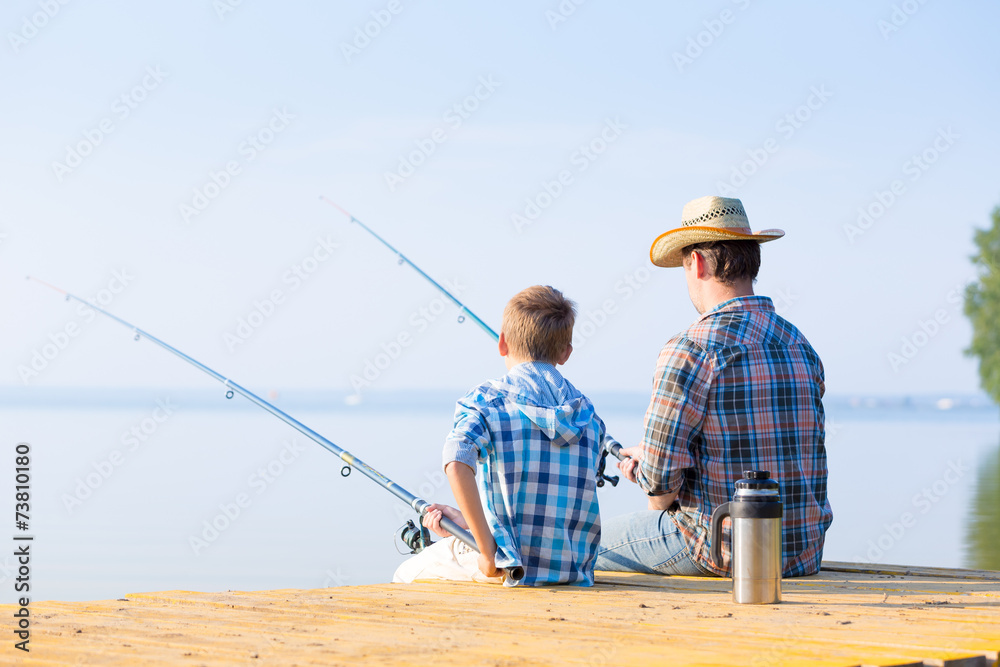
(469, 438)
(820, 377)
(675, 416)
(604, 442)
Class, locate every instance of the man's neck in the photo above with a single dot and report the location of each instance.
(717, 293)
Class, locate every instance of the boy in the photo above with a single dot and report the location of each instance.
(537, 442)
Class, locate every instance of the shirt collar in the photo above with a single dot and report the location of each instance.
(537, 382)
(754, 303)
(532, 369)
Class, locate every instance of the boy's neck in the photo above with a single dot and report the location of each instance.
(510, 360)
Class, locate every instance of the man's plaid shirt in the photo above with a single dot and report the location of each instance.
(535, 442)
(741, 389)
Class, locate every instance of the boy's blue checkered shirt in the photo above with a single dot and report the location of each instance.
(534, 442)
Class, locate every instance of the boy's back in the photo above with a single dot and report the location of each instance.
(536, 442)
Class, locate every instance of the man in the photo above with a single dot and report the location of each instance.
(741, 389)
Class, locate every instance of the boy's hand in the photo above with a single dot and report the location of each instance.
(487, 566)
(432, 519)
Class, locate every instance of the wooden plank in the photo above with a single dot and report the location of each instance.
(909, 570)
(833, 618)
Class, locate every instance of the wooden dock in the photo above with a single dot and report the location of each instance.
(846, 615)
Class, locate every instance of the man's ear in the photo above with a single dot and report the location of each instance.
(565, 355)
(502, 345)
(699, 265)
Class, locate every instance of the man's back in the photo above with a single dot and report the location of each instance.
(741, 389)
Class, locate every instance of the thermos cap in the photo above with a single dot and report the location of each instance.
(757, 480)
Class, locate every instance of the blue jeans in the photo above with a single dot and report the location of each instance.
(648, 542)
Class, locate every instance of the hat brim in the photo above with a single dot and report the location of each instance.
(666, 249)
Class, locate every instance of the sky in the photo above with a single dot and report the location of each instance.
(168, 159)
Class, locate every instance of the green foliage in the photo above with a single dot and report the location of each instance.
(982, 306)
(983, 530)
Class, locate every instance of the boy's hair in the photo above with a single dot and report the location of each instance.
(538, 323)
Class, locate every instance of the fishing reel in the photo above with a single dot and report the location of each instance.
(601, 467)
(417, 538)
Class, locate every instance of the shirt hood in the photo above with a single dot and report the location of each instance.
(546, 398)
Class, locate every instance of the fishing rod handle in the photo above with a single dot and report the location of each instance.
(615, 449)
(515, 573)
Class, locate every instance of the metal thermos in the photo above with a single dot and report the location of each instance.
(756, 548)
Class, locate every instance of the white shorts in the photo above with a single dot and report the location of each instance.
(448, 559)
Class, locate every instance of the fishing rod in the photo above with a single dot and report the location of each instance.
(610, 446)
(415, 538)
(403, 259)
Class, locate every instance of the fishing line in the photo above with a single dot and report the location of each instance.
(419, 505)
(609, 446)
(403, 259)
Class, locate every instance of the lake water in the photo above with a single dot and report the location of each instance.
(212, 495)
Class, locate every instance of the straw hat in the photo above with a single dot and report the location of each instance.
(707, 219)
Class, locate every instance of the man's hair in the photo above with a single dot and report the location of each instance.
(729, 261)
(538, 323)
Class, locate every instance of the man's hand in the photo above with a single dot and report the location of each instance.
(432, 519)
(629, 465)
(487, 565)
